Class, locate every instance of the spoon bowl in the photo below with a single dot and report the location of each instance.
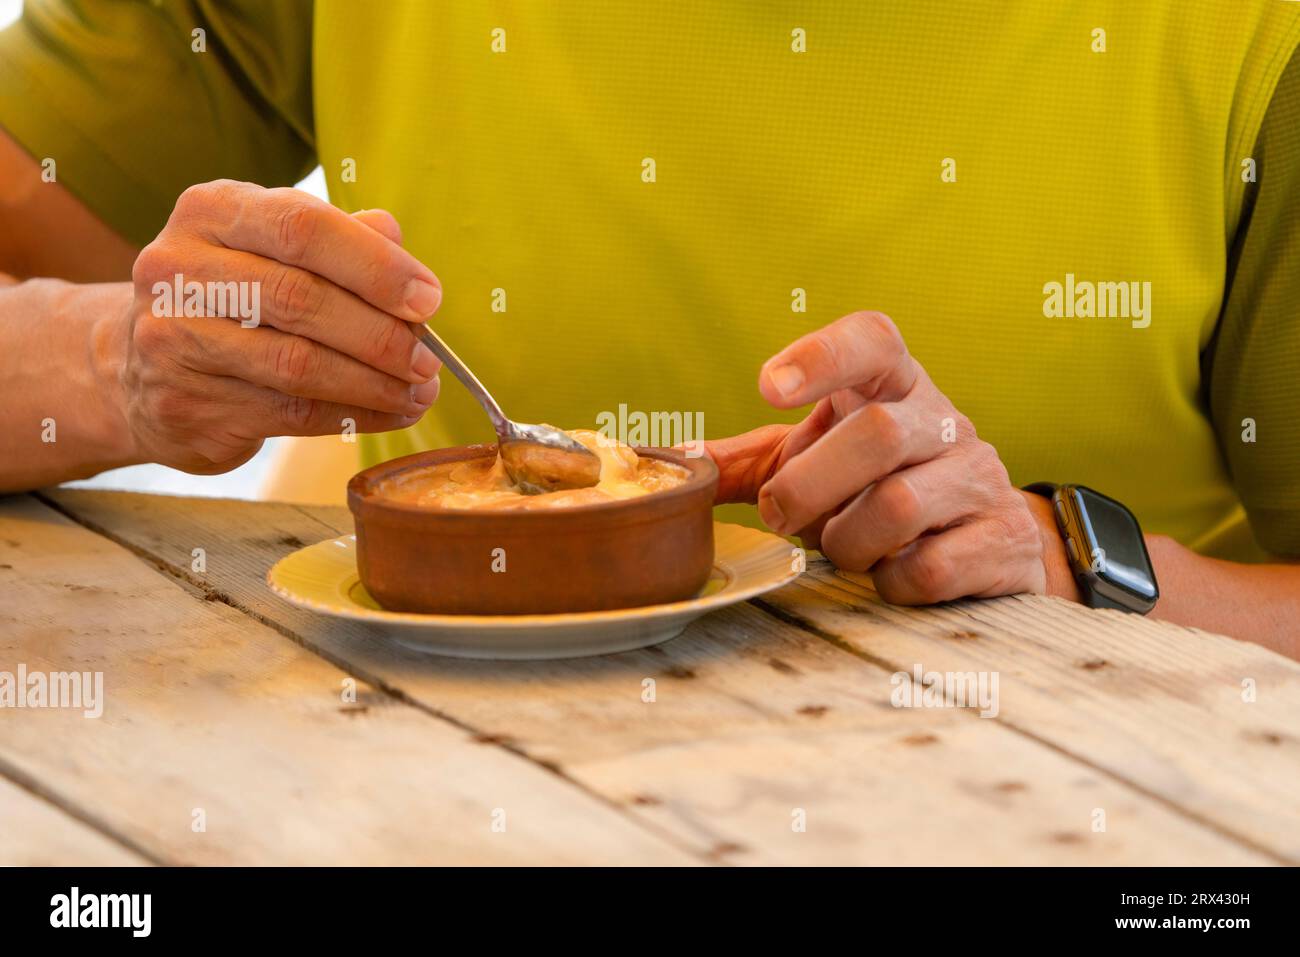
(538, 458)
(543, 459)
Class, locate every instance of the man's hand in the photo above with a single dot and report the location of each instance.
(886, 476)
(338, 297)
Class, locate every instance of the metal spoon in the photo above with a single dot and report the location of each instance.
(538, 458)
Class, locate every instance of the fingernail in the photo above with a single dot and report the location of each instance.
(423, 362)
(422, 297)
(770, 511)
(787, 379)
(425, 393)
(423, 397)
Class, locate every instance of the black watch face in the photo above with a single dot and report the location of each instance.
(1116, 549)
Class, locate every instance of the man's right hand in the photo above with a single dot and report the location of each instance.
(339, 298)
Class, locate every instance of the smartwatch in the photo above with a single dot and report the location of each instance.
(1104, 542)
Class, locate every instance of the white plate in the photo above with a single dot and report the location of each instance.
(746, 562)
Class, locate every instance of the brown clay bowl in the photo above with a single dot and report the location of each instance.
(640, 551)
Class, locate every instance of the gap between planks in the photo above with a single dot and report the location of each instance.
(57, 804)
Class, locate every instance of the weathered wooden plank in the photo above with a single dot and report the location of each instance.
(854, 794)
(1204, 721)
(221, 742)
(751, 720)
(34, 833)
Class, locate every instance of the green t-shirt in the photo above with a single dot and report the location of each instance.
(633, 205)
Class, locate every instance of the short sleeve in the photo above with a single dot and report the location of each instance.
(133, 104)
(1253, 361)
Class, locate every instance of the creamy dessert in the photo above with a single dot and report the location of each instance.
(482, 483)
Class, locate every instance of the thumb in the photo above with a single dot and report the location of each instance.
(382, 222)
(746, 461)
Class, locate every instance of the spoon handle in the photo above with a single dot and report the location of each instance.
(468, 378)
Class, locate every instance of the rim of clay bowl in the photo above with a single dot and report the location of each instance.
(705, 473)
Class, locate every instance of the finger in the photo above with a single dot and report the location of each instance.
(823, 416)
(863, 351)
(900, 508)
(300, 302)
(877, 439)
(810, 536)
(970, 560)
(424, 362)
(299, 367)
(281, 414)
(298, 229)
(223, 420)
(382, 222)
(746, 461)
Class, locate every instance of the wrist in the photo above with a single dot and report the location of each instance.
(62, 417)
(84, 330)
(109, 308)
(1056, 563)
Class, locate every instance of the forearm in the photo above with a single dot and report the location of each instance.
(60, 349)
(46, 231)
(1259, 603)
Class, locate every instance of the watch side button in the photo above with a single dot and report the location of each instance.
(1072, 550)
(1059, 507)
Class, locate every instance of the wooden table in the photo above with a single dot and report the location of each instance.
(228, 735)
